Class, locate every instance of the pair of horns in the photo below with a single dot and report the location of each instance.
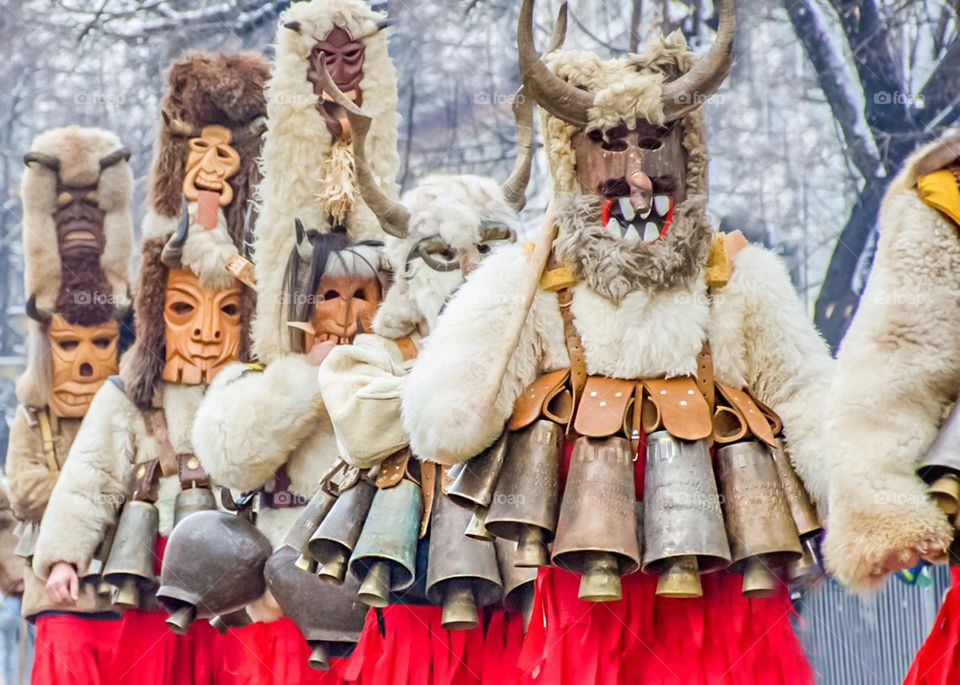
(238, 134)
(680, 96)
(297, 27)
(52, 163)
(44, 317)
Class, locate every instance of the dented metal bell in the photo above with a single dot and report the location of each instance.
(597, 531)
(213, 565)
(762, 534)
(330, 617)
(306, 524)
(336, 536)
(192, 500)
(462, 572)
(129, 567)
(524, 506)
(385, 556)
(683, 527)
(474, 482)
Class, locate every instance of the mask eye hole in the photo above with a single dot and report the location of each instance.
(331, 295)
(101, 343)
(199, 145)
(69, 345)
(181, 308)
(650, 143)
(619, 145)
(230, 309)
(360, 294)
(353, 53)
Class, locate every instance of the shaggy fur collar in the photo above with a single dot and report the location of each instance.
(616, 268)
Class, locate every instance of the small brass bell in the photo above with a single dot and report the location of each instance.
(945, 492)
(474, 483)
(336, 536)
(306, 524)
(518, 582)
(192, 500)
(129, 566)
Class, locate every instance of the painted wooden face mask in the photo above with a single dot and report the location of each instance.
(79, 221)
(344, 57)
(211, 162)
(83, 357)
(345, 307)
(640, 173)
(202, 328)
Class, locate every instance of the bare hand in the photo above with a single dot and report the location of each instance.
(63, 585)
(319, 352)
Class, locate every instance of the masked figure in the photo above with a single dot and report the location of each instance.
(77, 235)
(893, 423)
(658, 367)
(131, 468)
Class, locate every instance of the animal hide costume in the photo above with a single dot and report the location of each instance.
(133, 457)
(77, 236)
(893, 485)
(307, 153)
(656, 359)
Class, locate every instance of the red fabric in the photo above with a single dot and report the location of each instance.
(938, 660)
(501, 649)
(276, 654)
(74, 650)
(149, 652)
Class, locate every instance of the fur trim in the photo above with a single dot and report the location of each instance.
(79, 151)
(207, 251)
(298, 146)
(897, 369)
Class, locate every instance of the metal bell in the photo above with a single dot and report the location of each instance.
(330, 617)
(518, 583)
(129, 568)
(235, 619)
(474, 482)
(306, 524)
(213, 565)
(808, 570)
(524, 506)
(385, 556)
(597, 530)
(462, 572)
(192, 500)
(683, 528)
(95, 568)
(762, 534)
(336, 536)
(802, 510)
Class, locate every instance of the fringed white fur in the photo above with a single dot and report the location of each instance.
(207, 251)
(335, 185)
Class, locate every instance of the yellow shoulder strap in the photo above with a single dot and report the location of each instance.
(940, 191)
(46, 435)
(723, 249)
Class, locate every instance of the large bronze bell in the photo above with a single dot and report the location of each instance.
(940, 467)
(385, 556)
(306, 524)
(212, 566)
(129, 568)
(808, 569)
(462, 572)
(524, 506)
(762, 534)
(330, 617)
(597, 530)
(683, 528)
(336, 536)
(192, 500)
(518, 582)
(474, 482)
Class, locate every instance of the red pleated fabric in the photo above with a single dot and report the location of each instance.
(149, 652)
(74, 650)
(276, 654)
(938, 660)
(501, 649)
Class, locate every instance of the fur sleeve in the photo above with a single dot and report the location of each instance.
(360, 385)
(92, 485)
(30, 479)
(248, 425)
(898, 367)
(788, 365)
(439, 395)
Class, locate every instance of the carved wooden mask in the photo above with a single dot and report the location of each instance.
(202, 328)
(83, 357)
(344, 57)
(211, 162)
(79, 221)
(345, 306)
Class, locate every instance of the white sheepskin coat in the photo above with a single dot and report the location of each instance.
(897, 370)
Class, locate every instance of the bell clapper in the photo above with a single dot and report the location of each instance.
(680, 579)
(306, 563)
(459, 607)
(600, 581)
(334, 568)
(181, 619)
(127, 594)
(477, 528)
(531, 548)
(945, 491)
(319, 657)
(375, 589)
(758, 580)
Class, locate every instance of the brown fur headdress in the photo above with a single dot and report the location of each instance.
(202, 89)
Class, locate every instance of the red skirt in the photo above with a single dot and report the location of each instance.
(72, 649)
(938, 660)
(149, 652)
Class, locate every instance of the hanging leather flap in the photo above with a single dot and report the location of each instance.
(755, 419)
(728, 425)
(191, 472)
(530, 405)
(776, 423)
(145, 481)
(603, 406)
(392, 469)
(680, 406)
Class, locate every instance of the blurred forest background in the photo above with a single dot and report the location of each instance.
(826, 99)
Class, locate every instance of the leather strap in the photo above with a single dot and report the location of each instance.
(705, 375)
(603, 407)
(578, 364)
(428, 480)
(145, 481)
(530, 405)
(393, 469)
(156, 423)
(755, 419)
(46, 436)
(408, 348)
(191, 472)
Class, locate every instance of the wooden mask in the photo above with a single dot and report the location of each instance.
(211, 162)
(344, 308)
(202, 328)
(79, 221)
(83, 357)
(344, 57)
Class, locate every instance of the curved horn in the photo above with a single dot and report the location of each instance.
(179, 127)
(551, 92)
(172, 255)
(44, 160)
(559, 30)
(41, 316)
(293, 26)
(115, 157)
(693, 88)
(385, 23)
(393, 217)
(304, 248)
(515, 187)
